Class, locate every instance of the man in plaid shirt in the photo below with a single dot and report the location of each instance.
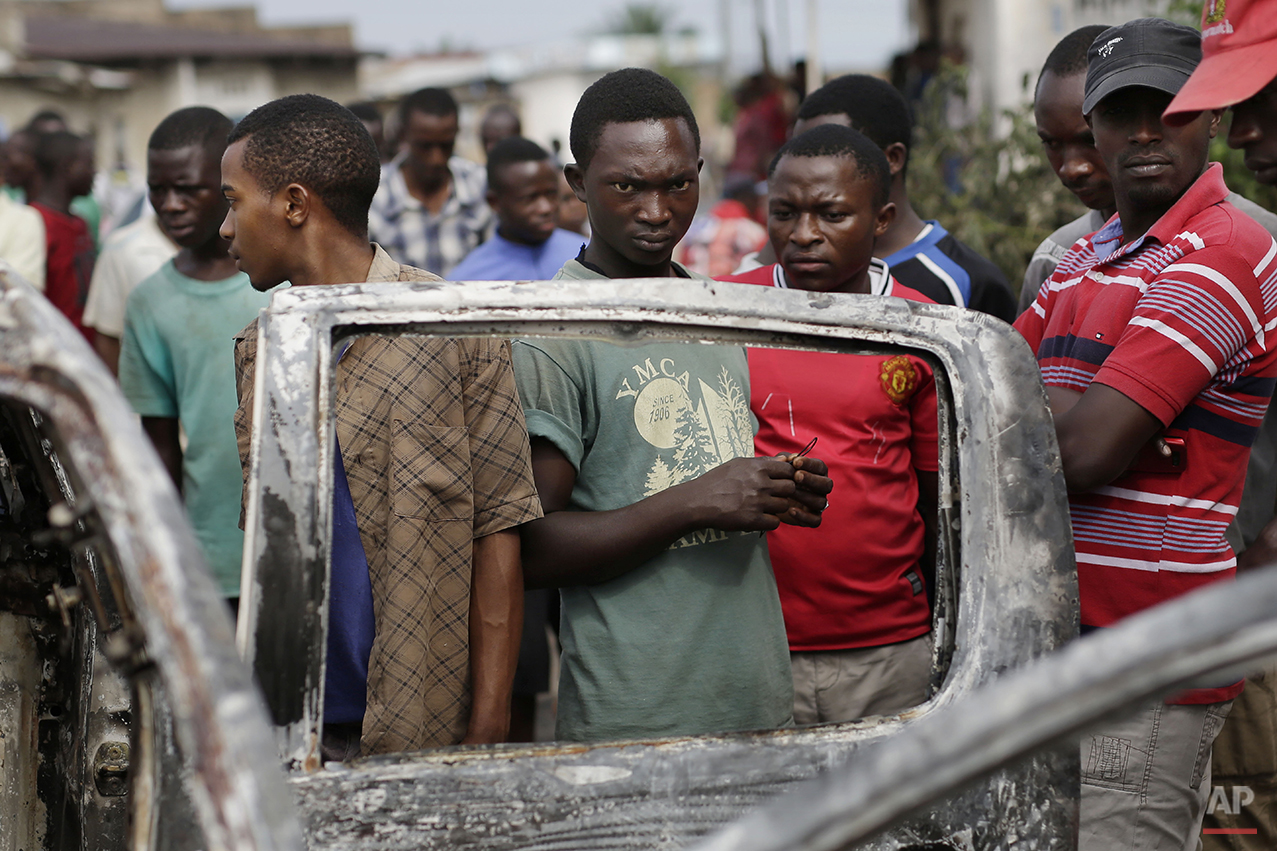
(432, 470)
(431, 210)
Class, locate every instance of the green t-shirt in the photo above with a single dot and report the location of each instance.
(177, 359)
(693, 641)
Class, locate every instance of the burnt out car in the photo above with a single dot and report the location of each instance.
(128, 720)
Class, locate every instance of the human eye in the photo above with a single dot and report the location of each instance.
(680, 185)
(833, 215)
(781, 213)
(622, 186)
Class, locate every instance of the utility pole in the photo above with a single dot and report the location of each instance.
(815, 73)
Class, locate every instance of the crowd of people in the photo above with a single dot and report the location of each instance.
(724, 539)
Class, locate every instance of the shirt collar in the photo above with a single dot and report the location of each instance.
(384, 269)
(469, 184)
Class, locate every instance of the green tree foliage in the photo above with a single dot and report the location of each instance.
(988, 181)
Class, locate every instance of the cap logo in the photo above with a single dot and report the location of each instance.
(1107, 47)
(1215, 11)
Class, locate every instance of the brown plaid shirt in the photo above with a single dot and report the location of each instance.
(436, 454)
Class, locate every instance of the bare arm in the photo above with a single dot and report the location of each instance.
(1100, 433)
(1263, 551)
(108, 348)
(163, 432)
(586, 547)
(496, 624)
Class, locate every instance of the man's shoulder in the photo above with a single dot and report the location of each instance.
(979, 267)
(412, 273)
(1266, 219)
(482, 260)
(1064, 237)
(760, 275)
(899, 290)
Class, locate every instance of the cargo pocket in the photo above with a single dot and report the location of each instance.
(430, 475)
(1211, 725)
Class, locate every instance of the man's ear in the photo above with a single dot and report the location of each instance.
(1216, 115)
(491, 198)
(298, 203)
(576, 179)
(882, 222)
(700, 164)
(897, 156)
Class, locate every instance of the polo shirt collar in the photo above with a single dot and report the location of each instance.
(879, 277)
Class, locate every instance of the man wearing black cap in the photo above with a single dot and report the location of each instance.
(1154, 342)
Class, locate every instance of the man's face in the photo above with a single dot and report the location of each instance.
(20, 159)
(526, 201)
(1149, 163)
(641, 188)
(823, 218)
(429, 140)
(1070, 147)
(82, 169)
(256, 225)
(1254, 130)
(185, 186)
(497, 126)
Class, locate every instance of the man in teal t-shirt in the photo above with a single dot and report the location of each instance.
(177, 364)
(643, 460)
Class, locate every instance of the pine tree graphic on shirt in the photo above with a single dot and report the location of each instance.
(660, 477)
(694, 451)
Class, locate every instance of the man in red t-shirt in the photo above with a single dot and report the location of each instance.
(64, 172)
(854, 591)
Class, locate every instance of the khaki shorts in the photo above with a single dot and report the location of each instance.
(843, 685)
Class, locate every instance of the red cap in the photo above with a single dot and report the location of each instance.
(1239, 55)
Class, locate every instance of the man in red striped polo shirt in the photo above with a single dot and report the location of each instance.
(1161, 324)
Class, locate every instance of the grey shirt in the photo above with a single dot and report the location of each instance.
(1048, 255)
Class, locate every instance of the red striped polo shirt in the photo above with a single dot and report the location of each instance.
(1181, 321)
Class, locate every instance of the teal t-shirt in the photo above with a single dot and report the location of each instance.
(693, 641)
(177, 359)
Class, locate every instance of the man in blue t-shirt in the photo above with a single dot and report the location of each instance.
(523, 191)
(176, 358)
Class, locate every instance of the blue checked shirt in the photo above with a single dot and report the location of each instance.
(414, 236)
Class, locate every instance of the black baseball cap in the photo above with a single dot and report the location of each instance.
(1150, 52)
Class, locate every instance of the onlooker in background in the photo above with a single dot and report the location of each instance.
(1239, 70)
(718, 242)
(85, 206)
(573, 214)
(176, 361)
(1157, 326)
(130, 255)
(499, 122)
(64, 170)
(375, 124)
(1070, 149)
(22, 239)
(760, 127)
(438, 417)
(922, 254)
(523, 190)
(430, 211)
(670, 622)
(854, 590)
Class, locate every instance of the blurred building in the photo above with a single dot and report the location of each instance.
(544, 81)
(115, 68)
(1005, 42)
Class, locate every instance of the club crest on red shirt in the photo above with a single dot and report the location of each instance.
(899, 379)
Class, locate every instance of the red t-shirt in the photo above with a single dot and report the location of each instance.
(854, 582)
(1180, 321)
(68, 265)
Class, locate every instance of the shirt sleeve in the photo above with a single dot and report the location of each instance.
(25, 249)
(1194, 318)
(1040, 268)
(552, 401)
(146, 364)
(924, 420)
(105, 306)
(504, 490)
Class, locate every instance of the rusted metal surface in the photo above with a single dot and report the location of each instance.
(1006, 539)
(1153, 654)
(120, 509)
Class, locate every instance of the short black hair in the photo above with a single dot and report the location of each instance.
(1069, 56)
(46, 116)
(835, 140)
(874, 107)
(365, 110)
(318, 143)
(428, 101)
(513, 149)
(54, 150)
(622, 97)
(194, 125)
